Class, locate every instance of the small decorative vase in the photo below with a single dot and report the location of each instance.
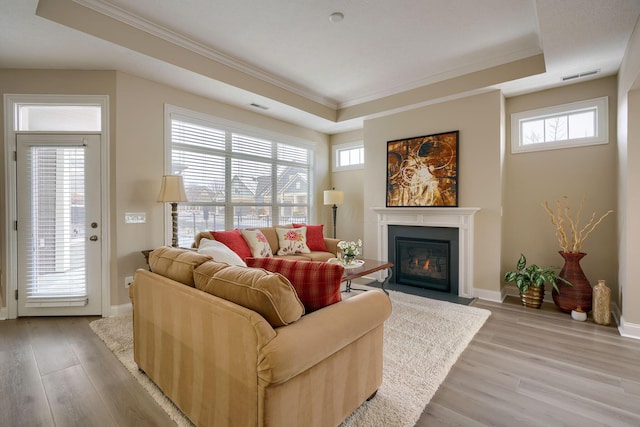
(533, 297)
(601, 303)
(578, 295)
(348, 259)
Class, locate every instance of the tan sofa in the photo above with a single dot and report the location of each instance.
(272, 237)
(224, 364)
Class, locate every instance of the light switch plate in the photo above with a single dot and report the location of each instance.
(135, 218)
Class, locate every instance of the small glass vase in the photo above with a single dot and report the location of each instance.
(348, 259)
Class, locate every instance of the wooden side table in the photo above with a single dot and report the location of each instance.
(369, 266)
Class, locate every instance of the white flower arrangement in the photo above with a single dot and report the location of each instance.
(350, 248)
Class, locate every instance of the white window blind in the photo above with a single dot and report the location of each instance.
(55, 270)
(236, 179)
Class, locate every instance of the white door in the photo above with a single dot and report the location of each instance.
(59, 230)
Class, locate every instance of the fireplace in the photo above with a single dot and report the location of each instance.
(424, 257)
(458, 219)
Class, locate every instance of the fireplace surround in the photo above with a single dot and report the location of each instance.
(457, 218)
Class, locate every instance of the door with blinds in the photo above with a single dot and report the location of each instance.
(58, 211)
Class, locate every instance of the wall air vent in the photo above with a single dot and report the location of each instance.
(580, 75)
(262, 107)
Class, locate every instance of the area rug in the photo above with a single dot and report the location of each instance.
(423, 338)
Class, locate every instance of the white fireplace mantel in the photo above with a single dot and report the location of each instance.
(460, 218)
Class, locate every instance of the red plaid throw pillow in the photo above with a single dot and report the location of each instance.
(316, 283)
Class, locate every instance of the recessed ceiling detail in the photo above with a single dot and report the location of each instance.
(312, 72)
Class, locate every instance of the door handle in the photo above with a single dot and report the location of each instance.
(93, 238)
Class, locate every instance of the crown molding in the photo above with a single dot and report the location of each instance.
(443, 76)
(105, 8)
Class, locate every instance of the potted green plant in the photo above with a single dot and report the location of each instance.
(530, 281)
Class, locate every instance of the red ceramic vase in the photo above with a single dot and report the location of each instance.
(578, 295)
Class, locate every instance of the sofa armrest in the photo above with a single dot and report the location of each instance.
(193, 344)
(316, 336)
(332, 245)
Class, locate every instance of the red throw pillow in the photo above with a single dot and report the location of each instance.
(233, 240)
(315, 237)
(316, 283)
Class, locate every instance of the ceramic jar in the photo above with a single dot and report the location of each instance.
(601, 303)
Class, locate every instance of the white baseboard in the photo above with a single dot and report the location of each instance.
(117, 310)
(483, 294)
(629, 330)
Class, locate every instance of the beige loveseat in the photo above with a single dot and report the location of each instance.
(272, 238)
(224, 364)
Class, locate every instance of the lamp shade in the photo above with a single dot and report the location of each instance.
(172, 189)
(333, 197)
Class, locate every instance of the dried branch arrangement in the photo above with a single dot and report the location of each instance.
(563, 219)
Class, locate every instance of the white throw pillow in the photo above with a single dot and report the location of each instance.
(292, 241)
(220, 252)
(258, 243)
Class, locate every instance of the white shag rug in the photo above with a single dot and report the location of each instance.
(423, 338)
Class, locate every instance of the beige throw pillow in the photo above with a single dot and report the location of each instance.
(292, 241)
(175, 263)
(258, 243)
(269, 294)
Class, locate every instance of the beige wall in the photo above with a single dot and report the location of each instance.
(140, 161)
(478, 118)
(629, 184)
(349, 217)
(136, 152)
(533, 178)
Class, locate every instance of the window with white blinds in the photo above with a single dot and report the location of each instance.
(235, 178)
(55, 269)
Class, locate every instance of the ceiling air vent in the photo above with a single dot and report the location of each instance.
(580, 75)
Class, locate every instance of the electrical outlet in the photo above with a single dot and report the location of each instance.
(128, 281)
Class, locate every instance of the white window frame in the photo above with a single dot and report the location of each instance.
(338, 148)
(174, 112)
(601, 129)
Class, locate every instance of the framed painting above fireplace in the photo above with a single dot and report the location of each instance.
(423, 171)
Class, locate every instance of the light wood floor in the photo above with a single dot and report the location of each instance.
(530, 367)
(57, 372)
(524, 368)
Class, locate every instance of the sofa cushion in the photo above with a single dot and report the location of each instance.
(272, 237)
(316, 283)
(257, 242)
(176, 264)
(220, 252)
(292, 241)
(234, 240)
(269, 294)
(315, 237)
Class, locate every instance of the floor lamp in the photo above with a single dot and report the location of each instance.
(334, 197)
(172, 191)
